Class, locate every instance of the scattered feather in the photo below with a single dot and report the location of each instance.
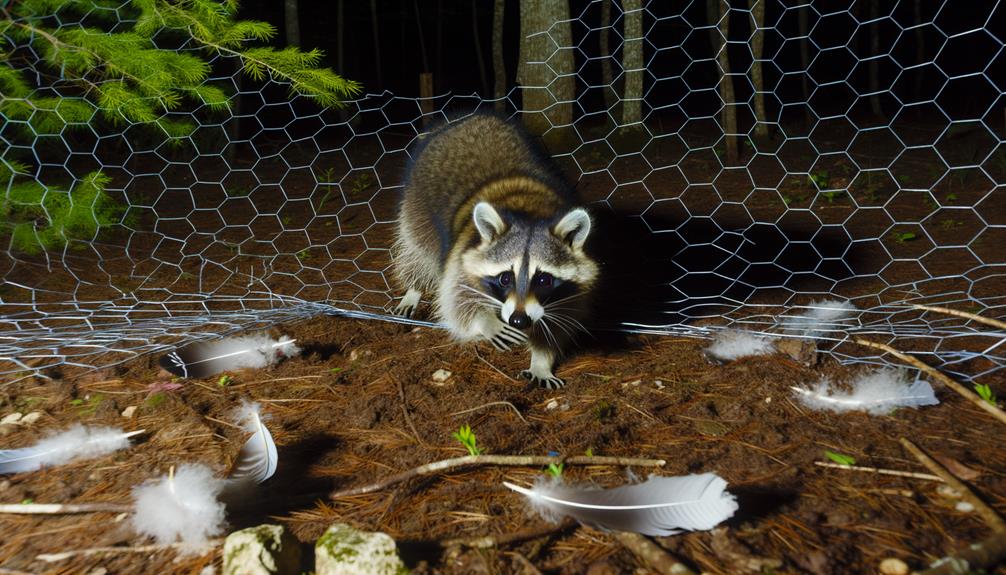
(257, 459)
(658, 506)
(78, 442)
(820, 318)
(203, 359)
(731, 344)
(878, 392)
(181, 506)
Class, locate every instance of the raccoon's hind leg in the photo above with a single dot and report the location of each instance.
(408, 304)
(540, 372)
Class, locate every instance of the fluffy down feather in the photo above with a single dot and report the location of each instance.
(78, 442)
(204, 359)
(182, 507)
(820, 318)
(731, 344)
(878, 392)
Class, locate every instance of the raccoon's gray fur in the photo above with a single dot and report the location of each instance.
(497, 239)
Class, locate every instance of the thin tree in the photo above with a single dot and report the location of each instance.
(546, 72)
(728, 114)
(632, 64)
(757, 77)
(291, 21)
(499, 66)
(604, 44)
(477, 35)
(422, 37)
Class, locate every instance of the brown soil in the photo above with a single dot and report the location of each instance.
(360, 405)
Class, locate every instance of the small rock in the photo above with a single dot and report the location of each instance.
(31, 418)
(344, 550)
(11, 418)
(261, 550)
(441, 375)
(768, 399)
(658, 384)
(552, 404)
(801, 350)
(358, 353)
(893, 566)
(964, 507)
(129, 411)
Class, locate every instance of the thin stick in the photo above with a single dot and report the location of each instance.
(960, 389)
(982, 555)
(490, 404)
(993, 519)
(405, 412)
(966, 315)
(894, 472)
(489, 541)
(63, 509)
(652, 555)
(189, 547)
(479, 460)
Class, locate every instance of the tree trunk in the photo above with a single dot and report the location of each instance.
(757, 77)
(607, 78)
(291, 19)
(478, 48)
(805, 61)
(499, 65)
(728, 115)
(377, 43)
(874, 62)
(632, 63)
(422, 37)
(546, 72)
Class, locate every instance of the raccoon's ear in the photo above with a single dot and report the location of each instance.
(488, 221)
(573, 228)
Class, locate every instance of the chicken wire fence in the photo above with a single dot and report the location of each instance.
(881, 182)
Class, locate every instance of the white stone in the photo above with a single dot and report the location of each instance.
(964, 507)
(129, 412)
(261, 550)
(893, 566)
(552, 404)
(31, 418)
(441, 375)
(11, 418)
(343, 550)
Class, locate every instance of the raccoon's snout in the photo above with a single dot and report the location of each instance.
(520, 320)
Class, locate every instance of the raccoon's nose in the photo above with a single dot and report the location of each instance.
(520, 320)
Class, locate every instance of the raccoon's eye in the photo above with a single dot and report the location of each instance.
(543, 280)
(505, 279)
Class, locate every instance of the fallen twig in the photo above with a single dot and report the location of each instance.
(478, 460)
(960, 389)
(894, 472)
(405, 411)
(993, 519)
(490, 404)
(966, 315)
(652, 555)
(63, 508)
(490, 541)
(975, 557)
(189, 548)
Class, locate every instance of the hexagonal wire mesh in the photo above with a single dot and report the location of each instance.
(879, 185)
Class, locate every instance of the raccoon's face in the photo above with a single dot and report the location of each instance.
(534, 269)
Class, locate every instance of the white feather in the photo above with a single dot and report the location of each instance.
(731, 344)
(257, 459)
(183, 507)
(204, 359)
(820, 318)
(78, 442)
(658, 506)
(878, 392)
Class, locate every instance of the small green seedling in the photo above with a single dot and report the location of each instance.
(334, 370)
(589, 452)
(603, 410)
(555, 469)
(833, 195)
(903, 237)
(27, 501)
(985, 392)
(224, 380)
(820, 179)
(840, 458)
(466, 436)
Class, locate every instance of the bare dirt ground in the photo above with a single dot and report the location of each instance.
(360, 404)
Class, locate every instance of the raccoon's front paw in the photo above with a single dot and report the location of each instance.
(506, 337)
(546, 381)
(407, 306)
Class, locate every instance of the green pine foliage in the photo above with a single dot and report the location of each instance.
(110, 64)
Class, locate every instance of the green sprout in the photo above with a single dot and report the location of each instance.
(555, 469)
(224, 380)
(589, 452)
(903, 237)
(820, 178)
(985, 392)
(839, 458)
(466, 436)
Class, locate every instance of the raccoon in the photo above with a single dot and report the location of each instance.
(497, 238)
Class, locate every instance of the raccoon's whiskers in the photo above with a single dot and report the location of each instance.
(565, 299)
(483, 295)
